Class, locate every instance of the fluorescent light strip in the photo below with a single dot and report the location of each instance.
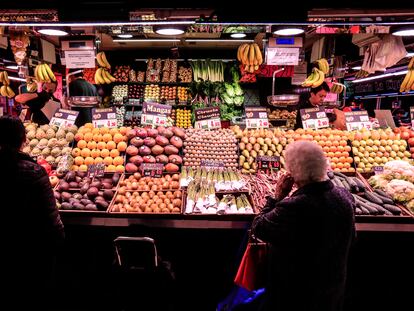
(17, 79)
(410, 54)
(219, 40)
(146, 23)
(146, 40)
(399, 73)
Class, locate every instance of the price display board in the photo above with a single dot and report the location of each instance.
(207, 118)
(64, 117)
(155, 114)
(267, 164)
(96, 170)
(105, 117)
(256, 117)
(314, 118)
(152, 169)
(378, 170)
(356, 120)
(211, 163)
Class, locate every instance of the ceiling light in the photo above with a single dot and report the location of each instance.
(287, 31)
(172, 30)
(17, 79)
(219, 40)
(356, 68)
(53, 32)
(146, 40)
(403, 31)
(125, 36)
(410, 54)
(398, 73)
(12, 67)
(238, 35)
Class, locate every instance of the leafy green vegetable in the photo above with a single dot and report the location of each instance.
(238, 91)
(229, 89)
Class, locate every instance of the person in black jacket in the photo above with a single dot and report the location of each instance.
(310, 234)
(32, 231)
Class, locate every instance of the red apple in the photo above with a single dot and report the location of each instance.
(405, 135)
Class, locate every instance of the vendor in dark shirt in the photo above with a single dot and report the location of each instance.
(36, 101)
(80, 87)
(312, 100)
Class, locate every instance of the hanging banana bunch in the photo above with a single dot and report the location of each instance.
(315, 79)
(408, 83)
(5, 89)
(43, 73)
(102, 75)
(250, 56)
(31, 85)
(337, 88)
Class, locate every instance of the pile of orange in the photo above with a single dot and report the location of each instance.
(100, 145)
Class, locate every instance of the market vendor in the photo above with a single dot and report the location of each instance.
(313, 99)
(37, 102)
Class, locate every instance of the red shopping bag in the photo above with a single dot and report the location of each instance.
(251, 274)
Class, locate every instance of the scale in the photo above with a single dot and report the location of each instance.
(283, 100)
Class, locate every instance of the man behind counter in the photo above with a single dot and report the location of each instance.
(314, 99)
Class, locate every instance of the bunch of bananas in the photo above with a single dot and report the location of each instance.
(408, 82)
(337, 88)
(250, 56)
(361, 74)
(31, 85)
(102, 74)
(6, 90)
(323, 65)
(315, 79)
(43, 73)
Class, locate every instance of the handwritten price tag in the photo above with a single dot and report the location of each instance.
(64, 118)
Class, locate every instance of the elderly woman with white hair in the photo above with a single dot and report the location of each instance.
(310, 234)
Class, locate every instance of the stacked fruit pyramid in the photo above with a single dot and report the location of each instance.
(100, 145)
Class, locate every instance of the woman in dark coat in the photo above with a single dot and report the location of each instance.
(32, 230)
(310, 234)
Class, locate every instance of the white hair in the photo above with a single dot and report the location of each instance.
(306, 162)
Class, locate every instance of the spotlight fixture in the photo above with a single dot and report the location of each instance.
(287, 30)
(53, 31)
(403, 31)
(125, 36)
(410, 54)
(12, 67)
(238, 35)
(356, 68)
(170, 30)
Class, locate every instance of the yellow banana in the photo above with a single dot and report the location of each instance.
(3, 90)
(1, 76)
(411, 63)
(98, 77)
(251, 55)
(320, 79)
(239, 51)
(10, 93)
(45, 73)
(104, 77)
(334, 88)
(38, 71)
(258, 54)
(323, 65)
(99, 60)
(245, 58)
(6, 80)
(109, 76)
(105, 61)
(405, 82)
(314, 76)
(49, 72)
(410, 82)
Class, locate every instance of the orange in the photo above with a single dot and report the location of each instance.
(95, 153)
(101, 145)
(122, 146)
(340, 165)
(85, 152)
(114, 153)
(91, 145)
(98, 160)
(78, 160)
(334, 160)
(76, 152)
(342, 159)
(107, 137)
(78, 136)
(114, 131)
(74, 168)
(111, 168)
(88, 126)
(108, 161)
(110, 145)
(326, 149)
(349, 160)
(83, 168)
(103, 130)
(82, 144)
(321, 143)
(97, 137)
(343, 143)
(338, 154)
(345, 154)
(333, 149)
(341, 148)
(105, 153)
(123, 130)
(331, 154)
(335, 143)
(89, 161)
(347, 165)
(95, 131)
(118, 138)
(333, 165)
(120, 168)
(328, 143)
(88, 136)
(118, 161)
(347, 148)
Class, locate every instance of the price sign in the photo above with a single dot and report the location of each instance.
(152, 169)
(412, 116)
(105, 117)
(267, 164)
(314, 118)
(155, 114)
(256, 117)
(207, 118)
(282, 56)
(378, 169)
(356, 120)
(64, 118)
(96, 170)
(211, 163)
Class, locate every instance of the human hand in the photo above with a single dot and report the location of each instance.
(284, 186)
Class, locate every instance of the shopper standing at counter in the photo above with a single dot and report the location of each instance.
(310, 235)
(311, 100)
(32, 230)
